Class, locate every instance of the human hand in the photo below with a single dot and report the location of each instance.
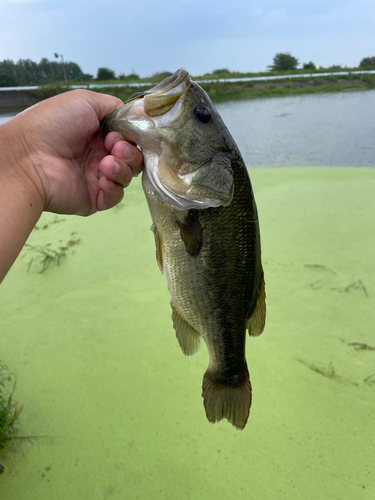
(68, 158)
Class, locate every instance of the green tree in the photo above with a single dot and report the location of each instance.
(7, 80)
(129, 77)
(162, 74)
(73, 71)
(284, 62)
(27, 72)
(335, 67)
(309, 65)
(222, 71)
(8, 74)
(105, 74)
(367, 62)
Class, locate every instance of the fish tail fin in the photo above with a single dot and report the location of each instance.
(227, 397)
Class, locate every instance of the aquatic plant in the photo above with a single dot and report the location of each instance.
(9, 410)
(328, 371)
(46, 256)
(56, 220)
(370, 380)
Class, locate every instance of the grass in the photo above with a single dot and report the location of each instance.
(9, 410)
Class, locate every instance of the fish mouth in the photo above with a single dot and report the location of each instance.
(145, 111)
(140, 119)
(164, 96)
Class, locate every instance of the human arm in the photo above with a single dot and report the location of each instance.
(53, 158)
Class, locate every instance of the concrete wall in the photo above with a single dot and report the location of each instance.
(16, 98)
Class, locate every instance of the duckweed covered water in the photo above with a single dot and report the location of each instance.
(112, 408)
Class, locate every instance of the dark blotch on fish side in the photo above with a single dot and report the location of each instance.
(192, 233)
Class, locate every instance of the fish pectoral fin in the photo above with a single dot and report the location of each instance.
(255, 324)
(191, 233)
(187, 336)
(159, 248)
(227, 397)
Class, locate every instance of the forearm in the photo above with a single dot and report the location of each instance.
(20, 202)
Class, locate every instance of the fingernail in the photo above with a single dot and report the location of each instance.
(116, 168)
(127, 152)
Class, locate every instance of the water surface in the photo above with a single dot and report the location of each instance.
(335, 129)
(112, 407)
(309, 130)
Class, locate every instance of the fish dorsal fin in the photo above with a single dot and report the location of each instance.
(191, 233)
(255, 324)
(159, 248)
(187, 336)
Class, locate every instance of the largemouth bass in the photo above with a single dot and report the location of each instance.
(206, 229)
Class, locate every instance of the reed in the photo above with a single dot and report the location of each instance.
(9, 409)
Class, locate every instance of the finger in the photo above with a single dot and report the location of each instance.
(101, 103)
(110, 194)
(116, 170)
(130, 155)
(110, 140)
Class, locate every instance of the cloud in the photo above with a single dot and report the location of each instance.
(202, 35)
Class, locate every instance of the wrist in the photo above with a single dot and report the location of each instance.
(18, 163)
(21, 200)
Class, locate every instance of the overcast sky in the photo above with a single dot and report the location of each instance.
(150, 36)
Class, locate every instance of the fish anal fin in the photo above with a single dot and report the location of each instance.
(191, 233)
(159, 248)
(255, 324)
(187, 336)
(228, 398)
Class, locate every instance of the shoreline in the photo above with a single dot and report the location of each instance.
(228, 91)
(285, 88)
(218, 91)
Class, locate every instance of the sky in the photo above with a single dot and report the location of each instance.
(150, 36)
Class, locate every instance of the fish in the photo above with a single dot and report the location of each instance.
(206, 230)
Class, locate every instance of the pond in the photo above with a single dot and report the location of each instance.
(335, 129)
(113, 409)
(310, 130)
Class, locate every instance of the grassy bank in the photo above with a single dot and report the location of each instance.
(225, 91)
(157, 77)
(296, 86)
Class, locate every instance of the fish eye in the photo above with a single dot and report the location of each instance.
(202, 114)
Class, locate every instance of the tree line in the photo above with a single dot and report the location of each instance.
(284, 61)
(28, 72)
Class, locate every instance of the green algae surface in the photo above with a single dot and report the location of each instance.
(112, 408)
